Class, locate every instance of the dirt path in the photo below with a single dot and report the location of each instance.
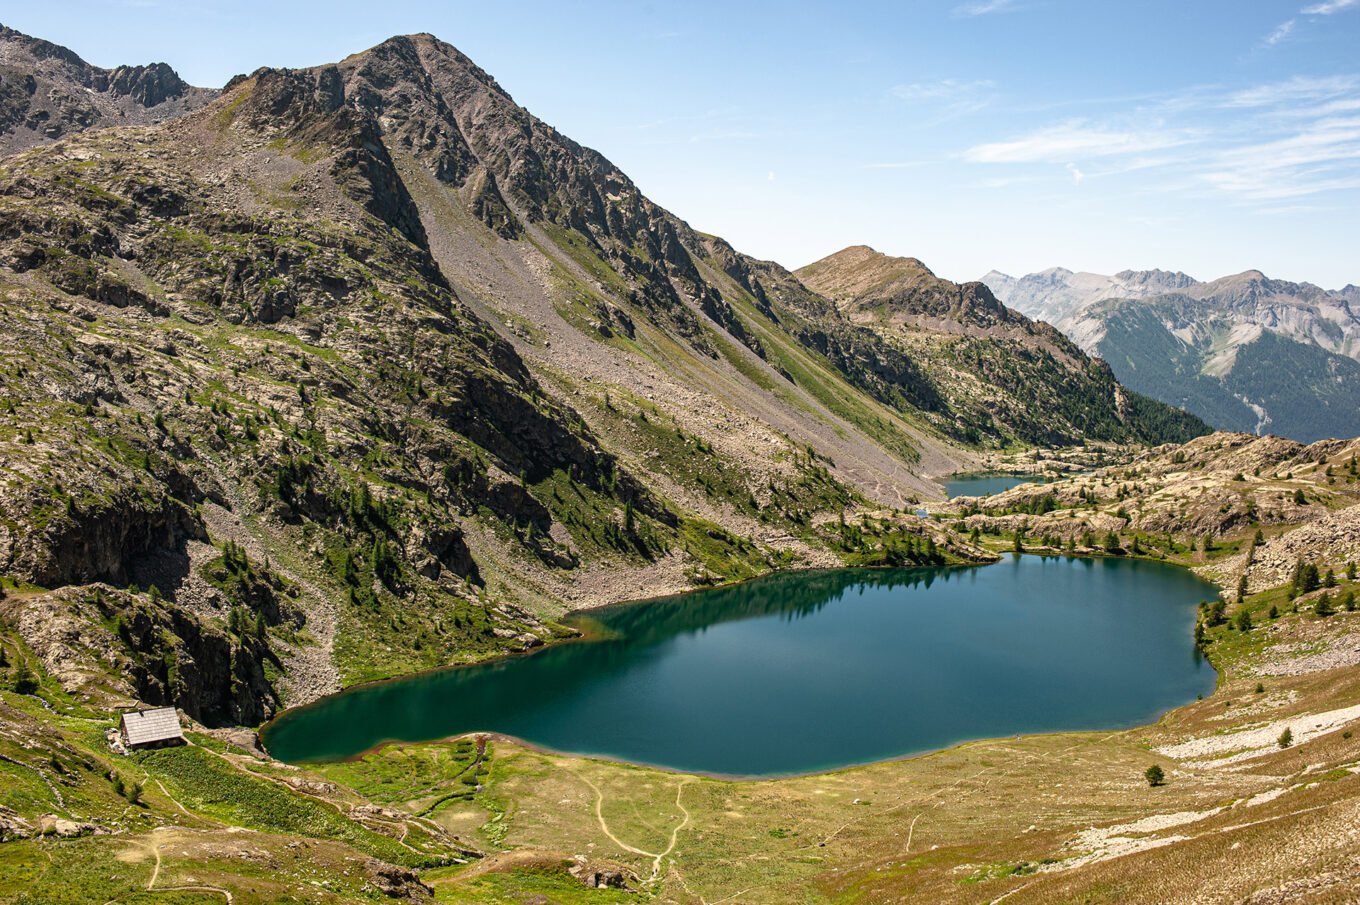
(173, 800)
(151, 886)
(675, 833)
(656, 857)
(156, 852)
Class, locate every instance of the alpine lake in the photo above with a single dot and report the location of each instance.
(988, 483)
(809, 671)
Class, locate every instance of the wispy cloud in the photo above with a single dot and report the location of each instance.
(1258, 145)
(1323, 157)
(1076, 138)
(948, 98)
(944, 89)
(1282, 31)
(986, 7)
(1293, 91)
(1329, 7)
(1325, 8)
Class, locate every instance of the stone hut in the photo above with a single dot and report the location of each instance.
(154, 728)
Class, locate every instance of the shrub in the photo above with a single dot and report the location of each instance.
(1286, 738)
(1155, 776)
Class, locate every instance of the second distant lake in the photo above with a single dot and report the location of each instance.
(986, 484)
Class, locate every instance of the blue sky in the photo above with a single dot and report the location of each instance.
(1198, 135)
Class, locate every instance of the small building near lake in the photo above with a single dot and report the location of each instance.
(154, 728)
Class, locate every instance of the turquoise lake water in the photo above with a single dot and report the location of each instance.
(809, 671)
(987, 484)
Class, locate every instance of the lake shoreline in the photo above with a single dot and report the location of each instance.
(911, 723)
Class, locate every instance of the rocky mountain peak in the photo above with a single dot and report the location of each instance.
(861, 279)
(15, 44)
(1161, 280)
(48, 92)
(148, 85)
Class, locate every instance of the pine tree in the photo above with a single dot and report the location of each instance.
(1286, 738)
(1323, 607)
(1154, 775)
(1309, 580)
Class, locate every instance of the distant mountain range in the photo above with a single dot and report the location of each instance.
(1244, 352)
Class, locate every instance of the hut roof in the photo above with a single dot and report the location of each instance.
(146, 727)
